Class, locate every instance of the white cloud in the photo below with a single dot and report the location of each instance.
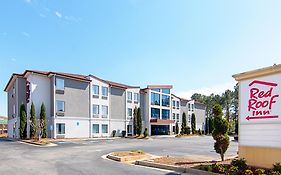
(58, 14)
(215, 89)
(13, 59)
(26, 34)
(27, 1)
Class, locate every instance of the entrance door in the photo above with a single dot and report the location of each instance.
(160, 129)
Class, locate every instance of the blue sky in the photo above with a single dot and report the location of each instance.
(194, 45)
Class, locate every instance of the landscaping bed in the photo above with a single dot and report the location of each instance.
(37, 142)
(129, 156)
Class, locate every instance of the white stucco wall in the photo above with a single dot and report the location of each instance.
(74, 127)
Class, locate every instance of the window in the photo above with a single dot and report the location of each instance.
(104, 128)
(14, 109)
(104, 91)
(129, 129)
(188, 107)
(96, 90)
(130, 113)
(155, 99)
(96, 128)
(178, 104)
(165, 114)
(14, 90)
(157, 90)
(136, 97)
(129, 96)
(189, 118)
(178, 117)
(60, 128)
(155, 113)
(104, 111)
(174, 116)
(60, 106)
(96, 110)
(174, 103)
(59, 84)
(165, 100)
(192, 107)
(166, 91)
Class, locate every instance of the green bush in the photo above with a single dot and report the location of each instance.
(275, 173)
(240, 163)
(207, 168)
(260, 172)
(277, 167)
(199, 132)
(188, 130)
(218, 168)
(233, 170)
(145, 133)
(248, 172)
(113, 133)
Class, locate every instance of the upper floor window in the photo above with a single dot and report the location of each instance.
(129, 96)
(104, 111)
(165, 114)
(178, 104)
(189, 107)
(178, 117)
(130, 113)
(174, 116)
(157, 90)
(136, 97)
(155, 99)
(96, 90)
(174, 103)
(166, 91)
(104, 91)
(60, 106)
(165, 100)
(155, 113)
(96, 110)
(59, 84)
(192, 107)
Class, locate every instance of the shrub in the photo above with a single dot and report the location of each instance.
(188, 130)
(275, 173)
(277, 167)
(145, 133)
(218, 168)
(240, 163)
(199, 132)
(260, 171)
(193, 123)
(233, 170)
(22, 128)
(43, 119)
(183, 125)
(113, 133)
(207, 168)
(123, 133)
(248, 172)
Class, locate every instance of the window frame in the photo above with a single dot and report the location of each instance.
(57, 128)
(96, 114)
(136, 100)
(57, 82)
(98, 90)
(104, 115)
(129, 116)
(97, 128)
(129, 94)
(153, 94)
(63, 102)
(102, 125)
(102, 90)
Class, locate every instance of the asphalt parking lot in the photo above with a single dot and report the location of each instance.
(84, 156)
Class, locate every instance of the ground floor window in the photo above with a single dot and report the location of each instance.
(60, 128)
(129, 129)
(174, 128)
(96, 128)
(104, 128)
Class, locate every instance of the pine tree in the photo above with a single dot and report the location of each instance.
(22, 122)
(43, 119)
(33, 121)
(183, 125)
(135, 119)
(193, 123)
(177, 128)
(139, 121)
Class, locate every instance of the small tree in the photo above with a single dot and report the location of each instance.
(43, 121)
(183, 124)
(193, 123)
(39, 125)
(32, 121)
(145, 133)
(220, 131)
(177, 128)
(135, 119)
(22, 122)
(139, 121)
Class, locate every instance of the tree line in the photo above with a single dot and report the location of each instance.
(229, 103)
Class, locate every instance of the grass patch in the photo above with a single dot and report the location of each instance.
(129, 153)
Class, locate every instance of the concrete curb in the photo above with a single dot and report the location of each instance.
(174, 168)
(38, 144)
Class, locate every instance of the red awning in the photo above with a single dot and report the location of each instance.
(161, 121)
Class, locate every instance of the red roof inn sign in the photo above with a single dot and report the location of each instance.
(261, 100)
